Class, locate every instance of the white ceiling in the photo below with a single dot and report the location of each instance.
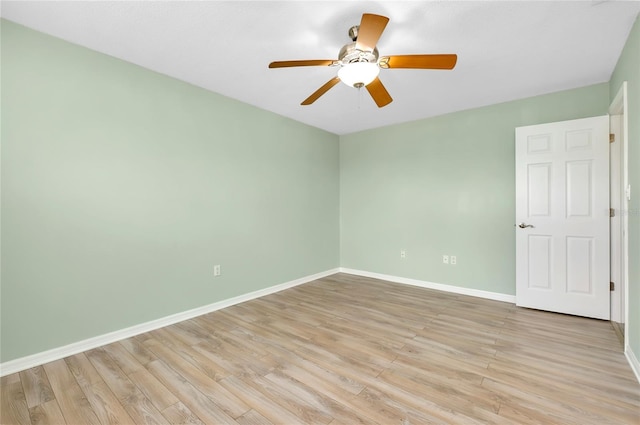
(506, 50)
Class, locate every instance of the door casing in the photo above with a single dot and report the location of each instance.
(620, 128)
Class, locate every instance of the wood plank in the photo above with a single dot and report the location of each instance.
(531, 408)
(141, 410)
(263, 405)
(74, 405)
(570, 371)
(46, 413)
(138, 350)
(13, 405)
(180, 414)
(228, 402)
(123, 358)
(205, 408)
(106, 405)
(83, 370)
(230, 339)
(253, 418)
(381, 408)
(189, 353)
(36, 386)
(325, 380)
(306, 412)
(314, 398)
(233, 363)
(564, 398)
(468, 400)
(153, 389)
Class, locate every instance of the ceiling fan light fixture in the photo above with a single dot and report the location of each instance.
(358, 74)
(360, 62)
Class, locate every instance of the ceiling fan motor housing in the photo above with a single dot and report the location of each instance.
(349, 54)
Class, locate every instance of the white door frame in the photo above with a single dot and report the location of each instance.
(615, 223)
(619, 107)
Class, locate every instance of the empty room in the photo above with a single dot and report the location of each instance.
(320, 212)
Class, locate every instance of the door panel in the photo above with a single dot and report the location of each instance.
(579, 190)
(580, 264)
(539, 186)
(540, 261)
(562, 198)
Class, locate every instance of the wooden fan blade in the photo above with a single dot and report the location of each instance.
(379, 94)
(322, 90)
(287, 64)
(371, 27)
(419, 61)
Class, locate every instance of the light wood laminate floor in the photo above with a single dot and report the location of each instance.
(343, 350)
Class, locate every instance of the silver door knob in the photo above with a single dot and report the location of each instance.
(524, 226)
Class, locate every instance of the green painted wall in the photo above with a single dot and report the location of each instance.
(121, 188)
(444, 185)
(628, 69)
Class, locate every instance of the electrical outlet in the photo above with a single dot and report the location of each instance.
(216, 270)
(445, 259)
(403, 254)
(452, 260)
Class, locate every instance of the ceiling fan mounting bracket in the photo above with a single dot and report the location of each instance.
(353, 32)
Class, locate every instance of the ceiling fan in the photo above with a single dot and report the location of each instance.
(359, 62)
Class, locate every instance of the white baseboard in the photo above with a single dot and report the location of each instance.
(633, 361)
(38, 359)
(431, 285)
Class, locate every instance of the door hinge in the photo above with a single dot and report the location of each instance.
(612, 212)
(612, 286)
(612, 137)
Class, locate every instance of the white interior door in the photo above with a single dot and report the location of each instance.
(562, 217)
